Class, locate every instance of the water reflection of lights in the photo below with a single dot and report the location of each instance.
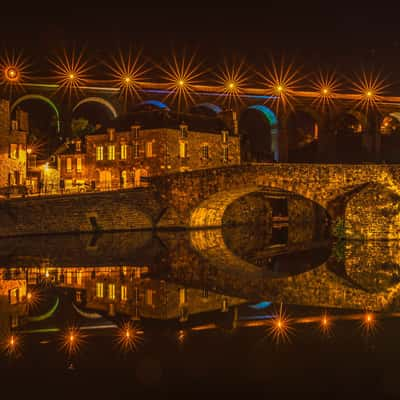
(11, 345)
(279, 327)
(129, 336)
(71, 340)
(368, 323)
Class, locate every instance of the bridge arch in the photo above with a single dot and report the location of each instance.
(389, 127)
(42, 98)
(98, 100)
(262, 134)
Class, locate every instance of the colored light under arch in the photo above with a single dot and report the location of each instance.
(273, 122)
(213, 107)
(154, 103)
(99, 100)
(39, 97)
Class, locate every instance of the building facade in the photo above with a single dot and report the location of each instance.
(126, 154)
(13, 139)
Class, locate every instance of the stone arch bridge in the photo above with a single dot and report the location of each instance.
(365, 196)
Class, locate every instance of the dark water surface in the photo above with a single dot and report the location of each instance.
(208, 313)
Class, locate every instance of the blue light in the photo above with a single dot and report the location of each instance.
(261, 305)
(273, 122)
(211, 106)
(154, 103)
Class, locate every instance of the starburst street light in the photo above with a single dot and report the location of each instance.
(281, 82)
(71, 340)
(232, 78)
(13, 69)
(280, 327)
(70, 71)
(181, 76)
(326, 85)
(127, 72)
(370, 89)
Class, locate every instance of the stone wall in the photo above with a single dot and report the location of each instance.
(120, 210)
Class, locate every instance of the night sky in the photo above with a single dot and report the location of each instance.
(325, 35)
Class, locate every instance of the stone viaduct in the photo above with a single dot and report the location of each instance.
(305, 131)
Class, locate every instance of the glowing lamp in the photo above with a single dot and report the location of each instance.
(71, 76)
(231, 85)
(325, 91)
(71, 338)
(29, 296)
(181, 82)
(279, 88)
(11, 73)
(369, 93)
(29, 150)
(127, 79)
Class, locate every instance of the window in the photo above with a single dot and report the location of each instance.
(135, 150)
(13, 296)
(183, 131)
(204, 151)
(13, 151)
(149, 297)
(124, 151)
(149, 149)
(78, 146)
(111, 291)
(100, 289)
(111, 134)
(183, 147)
(111, 152)
(99, 153)
(224, 136)
(225, 154)
(124, 293)
(182, 296)
(69, 164)
(79, 164)
(14, 125)
(135, 132)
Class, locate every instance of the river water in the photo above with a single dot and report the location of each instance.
(245, 309)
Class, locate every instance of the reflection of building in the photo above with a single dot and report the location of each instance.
(13, 136)
(12, 300)
(146, 144)
(128, 290)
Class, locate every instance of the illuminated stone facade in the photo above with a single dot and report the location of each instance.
(126, 154)
(13, 136)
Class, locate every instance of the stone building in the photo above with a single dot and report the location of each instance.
(13, 139)
(143, 144)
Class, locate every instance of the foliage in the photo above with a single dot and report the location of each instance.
(80, 127)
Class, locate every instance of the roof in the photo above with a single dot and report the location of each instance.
(164, 119)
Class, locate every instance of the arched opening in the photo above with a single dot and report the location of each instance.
(390, 137)
(124, 179)
(140, 175)
(350, 147)
(208, 109)
(259, 134)
(302, 137)
(44, 124)
(88, 115)
(105, 180)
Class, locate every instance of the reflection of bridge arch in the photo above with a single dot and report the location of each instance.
(98, 100)
(38, 97)
(209, 106)
(272, 121)
(155, 103)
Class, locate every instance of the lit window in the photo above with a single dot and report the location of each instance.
(135, 150)
(149, 149)
(111, 152)
(99, 153)
(69, 277)
(124, 293)
(79, 164)
(78, 146)
(69, 164)
(182, 296)
(149, 297)
(225, 154)
(111, 291)
(124, 151)
(111, 133)
(204, 151)
(183, 147)
(183, 131)
(100, 289)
